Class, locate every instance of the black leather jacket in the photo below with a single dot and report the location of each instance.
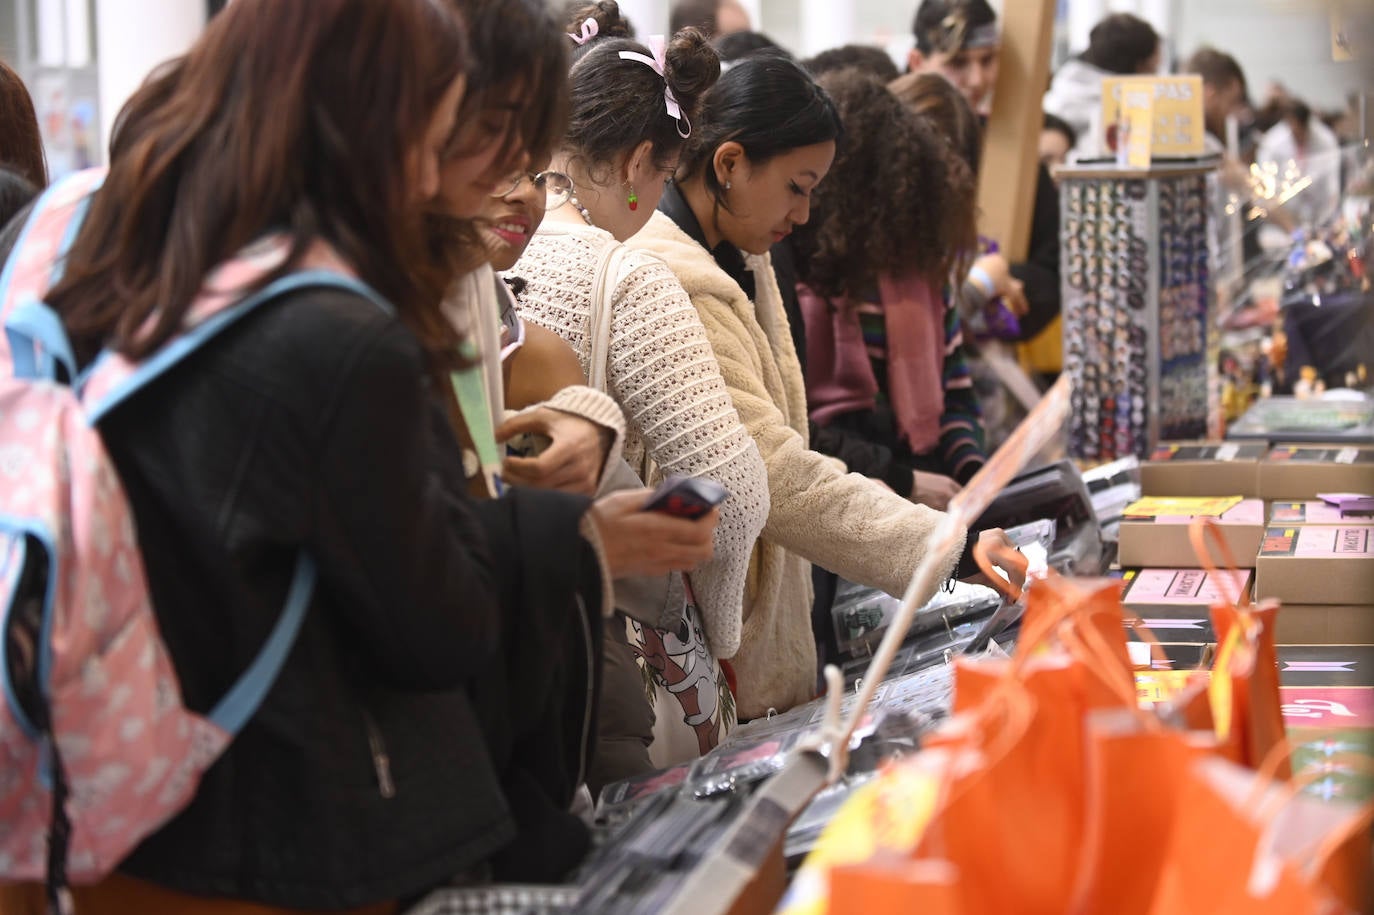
(374, 768)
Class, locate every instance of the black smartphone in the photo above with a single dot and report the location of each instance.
(687, 497)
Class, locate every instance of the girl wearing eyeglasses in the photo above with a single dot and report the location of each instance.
(536, 701)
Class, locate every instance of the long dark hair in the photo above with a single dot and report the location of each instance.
(517, 44)
(291, 116)
(518, 48)
(935, 99)
(21, 145)
(922, 199)
(618, 104)
(16, 192)
(1120, 43)
(944, 26)
(767, 104)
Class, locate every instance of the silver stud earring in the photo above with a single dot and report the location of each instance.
(728, 185)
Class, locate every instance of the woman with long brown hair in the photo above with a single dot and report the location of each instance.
(368, 773)
(885, 347)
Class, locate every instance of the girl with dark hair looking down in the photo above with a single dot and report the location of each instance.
(746, 181)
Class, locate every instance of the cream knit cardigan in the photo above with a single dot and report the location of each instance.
(841, 521)
(660, 370)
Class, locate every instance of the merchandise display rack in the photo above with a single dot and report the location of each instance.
(1139, 308)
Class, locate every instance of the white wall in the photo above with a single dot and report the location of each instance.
(1284, 40)
(1287, 40)
(649, 17)
(133, 37)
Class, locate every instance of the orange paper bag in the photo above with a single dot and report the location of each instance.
(1236, 850)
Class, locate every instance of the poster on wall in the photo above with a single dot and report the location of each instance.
(67, 120)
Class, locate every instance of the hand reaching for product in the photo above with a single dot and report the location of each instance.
(639, 542)
(998, 551)
(573, 460)
(933, 489)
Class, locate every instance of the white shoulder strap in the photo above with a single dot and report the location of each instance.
(602, 312)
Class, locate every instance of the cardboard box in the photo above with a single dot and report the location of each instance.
(1298, 472)
(1297, 514)
(1316, 564)
(1326, 666)
(1197, 469)
(1325, 624)
(1175, 604)
(1161, 540)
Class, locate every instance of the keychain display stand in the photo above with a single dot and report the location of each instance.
(1139, 309)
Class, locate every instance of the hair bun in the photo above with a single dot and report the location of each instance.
(692, 66)
(610, 22)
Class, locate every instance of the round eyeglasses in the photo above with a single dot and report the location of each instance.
(557, 187)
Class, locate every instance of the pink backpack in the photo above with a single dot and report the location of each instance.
(96, 748)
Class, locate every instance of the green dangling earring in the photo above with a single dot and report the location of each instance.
(633, 199)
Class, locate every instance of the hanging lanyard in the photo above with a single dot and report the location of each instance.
(470, 387)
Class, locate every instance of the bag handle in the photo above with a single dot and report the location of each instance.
(600, 318)
(111, 380)
(1197, 535)
(982, 557)
(602, 314)
(239, 704)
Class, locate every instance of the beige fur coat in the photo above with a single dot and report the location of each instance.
(841, 521)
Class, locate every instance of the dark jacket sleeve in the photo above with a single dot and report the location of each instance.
(1040, 270)
(863, 456)
(395, 528)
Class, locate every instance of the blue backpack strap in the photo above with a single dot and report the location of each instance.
(38, 341)
(187, 343)
(238, 705)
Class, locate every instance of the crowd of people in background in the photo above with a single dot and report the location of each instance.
(586, 260)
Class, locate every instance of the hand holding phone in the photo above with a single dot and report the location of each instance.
(636, 541)
(687, 497)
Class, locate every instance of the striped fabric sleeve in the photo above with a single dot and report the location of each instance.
(962, 444)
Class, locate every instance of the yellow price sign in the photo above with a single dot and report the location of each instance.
(1178, 128)
(1181, 506)
(1156, 687)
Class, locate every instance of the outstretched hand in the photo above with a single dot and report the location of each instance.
(998, 551)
